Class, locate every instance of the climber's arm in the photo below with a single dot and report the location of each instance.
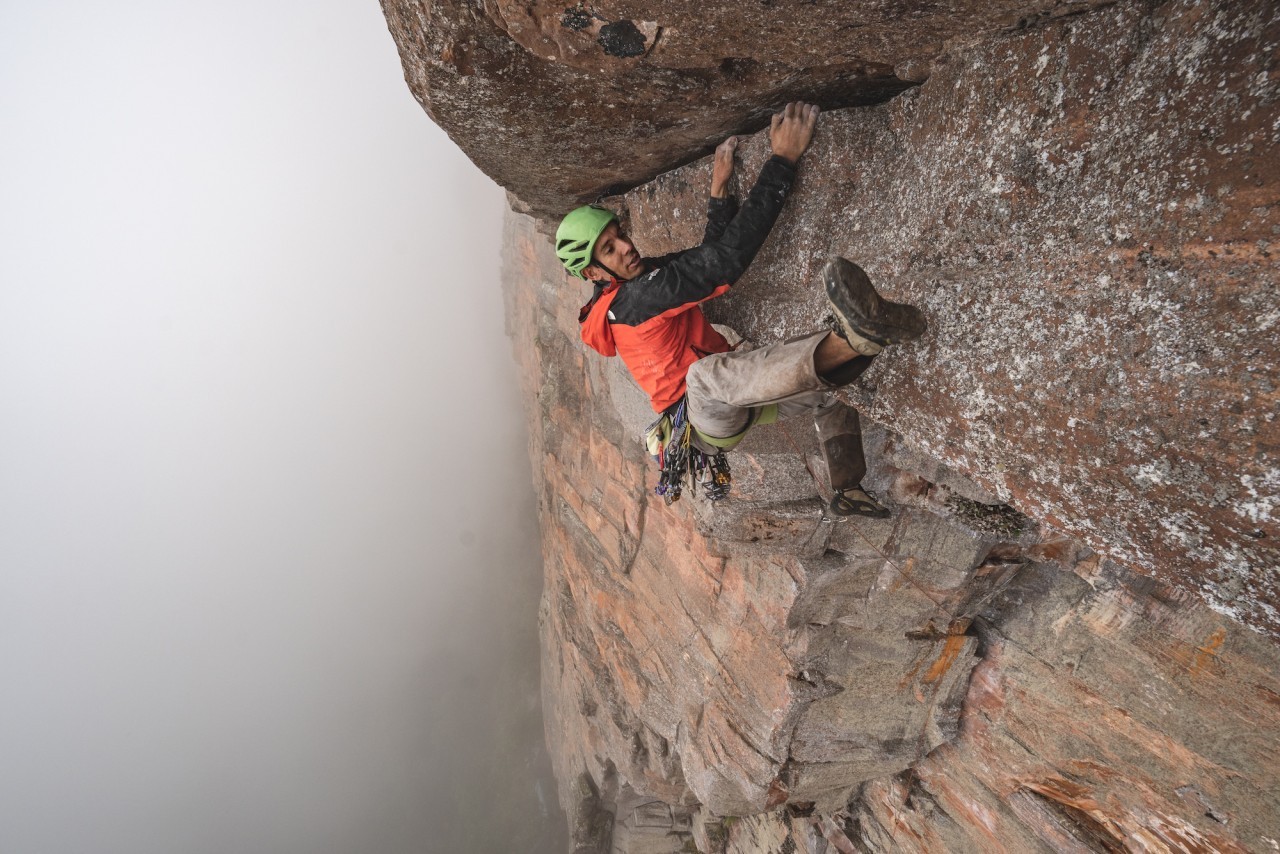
(720, 212)
(705, 271)
(722, 168)
(721, 207)
(699, 273)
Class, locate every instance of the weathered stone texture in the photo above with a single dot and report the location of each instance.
(1086, 213)
(1064, 639)
(558, 102)
(1109, 713)
(677, 671)
(1105, 703)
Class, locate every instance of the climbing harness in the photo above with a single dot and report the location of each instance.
(760, 415)
(670, 443)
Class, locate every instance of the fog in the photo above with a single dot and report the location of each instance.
(268, 562)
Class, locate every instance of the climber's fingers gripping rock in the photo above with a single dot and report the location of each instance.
(791, 130)
(722, 167)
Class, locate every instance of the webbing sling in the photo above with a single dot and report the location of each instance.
(760, 415)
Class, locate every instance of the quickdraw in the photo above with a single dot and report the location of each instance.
(670, 441)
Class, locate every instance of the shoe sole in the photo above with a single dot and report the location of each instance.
(865, 507)
(863, 311)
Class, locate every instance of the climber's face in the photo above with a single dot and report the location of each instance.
(614, 251)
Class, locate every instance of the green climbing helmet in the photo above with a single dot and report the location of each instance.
(577, 234)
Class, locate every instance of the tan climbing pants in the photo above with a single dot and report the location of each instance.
(724, 388)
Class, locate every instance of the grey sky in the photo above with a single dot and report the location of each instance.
(257, 406)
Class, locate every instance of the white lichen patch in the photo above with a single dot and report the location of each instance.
(1147, 475)
(1262, 496)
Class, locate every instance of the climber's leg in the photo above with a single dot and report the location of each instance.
(797, 375)
(840, 438)
(723, 388)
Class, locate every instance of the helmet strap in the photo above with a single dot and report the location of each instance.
(615, 276)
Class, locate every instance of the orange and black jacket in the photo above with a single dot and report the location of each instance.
(654, 321)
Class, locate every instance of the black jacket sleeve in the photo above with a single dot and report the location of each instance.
(692, 276)
(720, 212)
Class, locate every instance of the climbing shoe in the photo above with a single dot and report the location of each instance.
(863, 318)
(855, 502)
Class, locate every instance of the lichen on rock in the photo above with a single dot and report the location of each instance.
(1085, 214)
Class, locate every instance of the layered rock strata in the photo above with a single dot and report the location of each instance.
(753, 659)
(1064, 639)
(1081, 454)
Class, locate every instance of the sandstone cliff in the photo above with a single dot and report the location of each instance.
(1065, 638)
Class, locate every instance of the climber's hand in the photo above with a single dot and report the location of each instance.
(791, 130)
(722, 168)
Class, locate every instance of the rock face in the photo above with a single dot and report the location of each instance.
(1086, 213)
(754, 659)
(1065, 637)
(740, 657)
(561, 101)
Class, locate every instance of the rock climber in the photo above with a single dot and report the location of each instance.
(647, 310)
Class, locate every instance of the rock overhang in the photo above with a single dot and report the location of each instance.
(561, 103)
